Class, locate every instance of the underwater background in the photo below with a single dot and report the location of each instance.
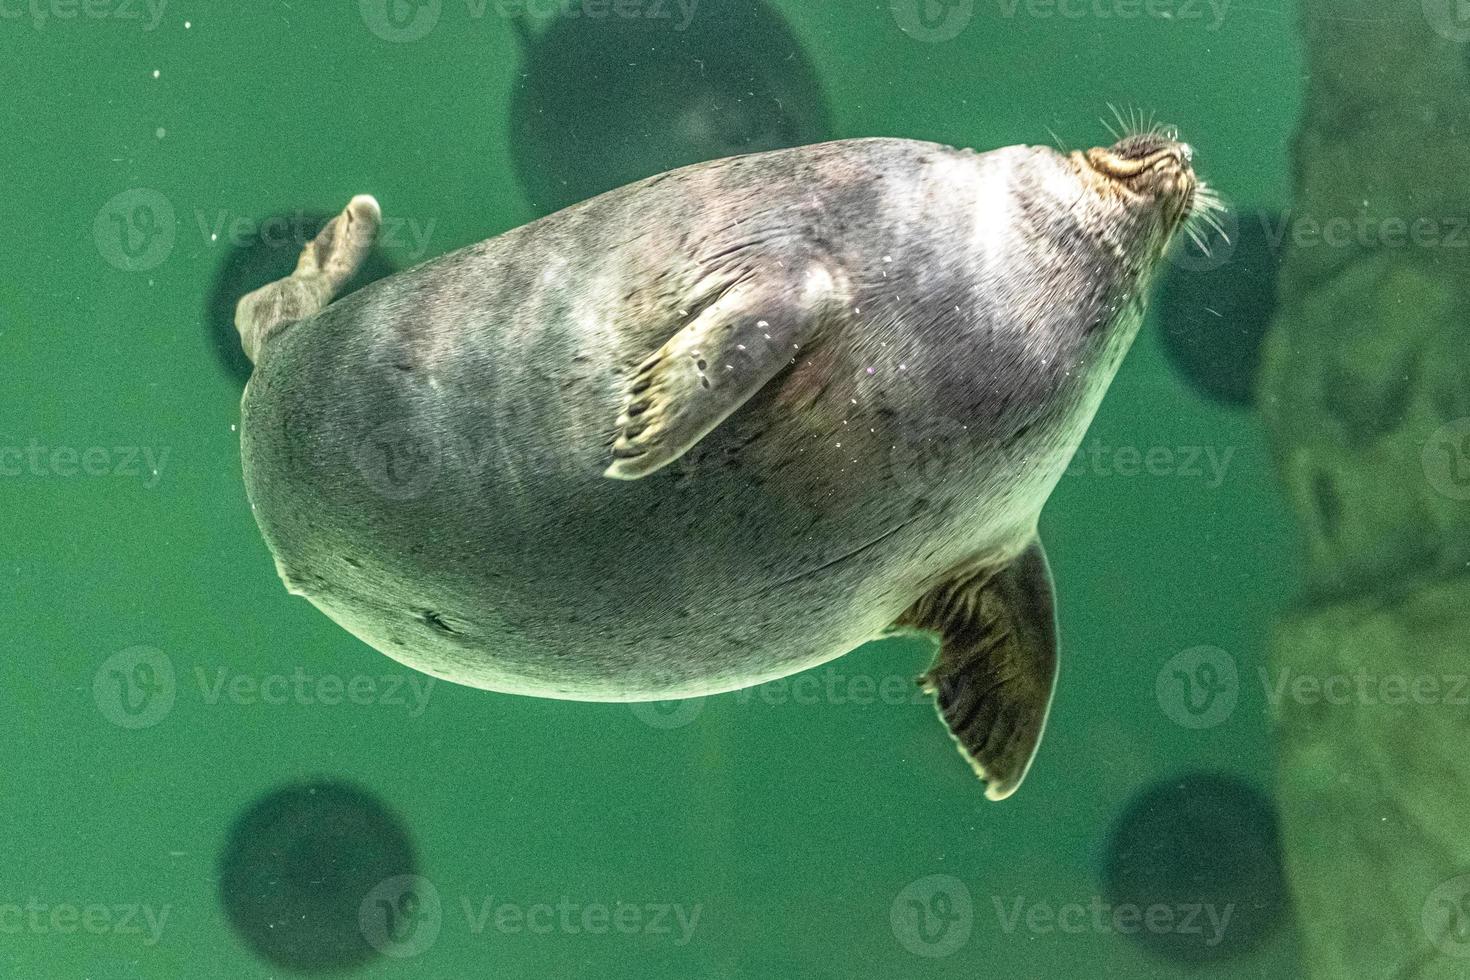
(205, 777)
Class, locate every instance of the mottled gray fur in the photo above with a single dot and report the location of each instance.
(425, 457)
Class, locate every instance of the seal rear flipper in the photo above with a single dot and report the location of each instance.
(326, 264)
(997, 663)
(740, 340)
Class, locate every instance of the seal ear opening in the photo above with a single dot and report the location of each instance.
(997, 664)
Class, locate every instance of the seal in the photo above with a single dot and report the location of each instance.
(658, 444)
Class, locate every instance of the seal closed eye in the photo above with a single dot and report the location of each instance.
(660, 444)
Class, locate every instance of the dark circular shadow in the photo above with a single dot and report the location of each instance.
(602, 102)
(1214, 311)
(297, 866)
(266, 254)
(1196, 849)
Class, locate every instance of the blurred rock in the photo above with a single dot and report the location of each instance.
(602, 102)
(1213, 310)
(1373, 724)
(1365, 389)
(1202, 847)
(297, 867)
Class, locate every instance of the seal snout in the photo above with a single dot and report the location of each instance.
(1153, 168)
(1145, 162)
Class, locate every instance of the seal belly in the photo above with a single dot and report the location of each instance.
(455, 535)
(448, 507)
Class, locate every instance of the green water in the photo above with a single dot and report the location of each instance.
(785, 833)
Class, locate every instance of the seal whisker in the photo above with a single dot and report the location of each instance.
(1122, 123)
(1210, 219)
(1197, 238)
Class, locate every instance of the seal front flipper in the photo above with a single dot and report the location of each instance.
(997, 663)
(750, 330)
